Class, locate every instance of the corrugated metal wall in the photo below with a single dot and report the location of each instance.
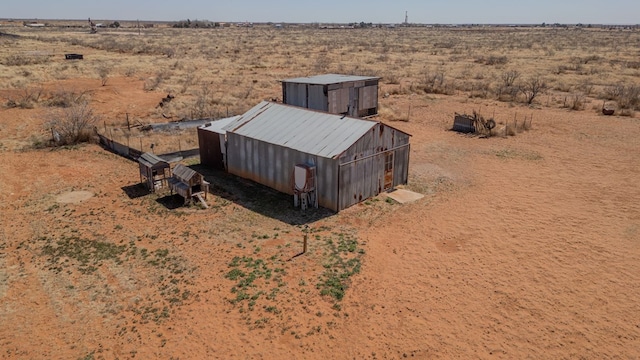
(210, 149)
(368, 97)
(334, 98)
(295, 94)
(339, 101)
(273, 166)
(317, 98)
(361, 175)
(362, 168)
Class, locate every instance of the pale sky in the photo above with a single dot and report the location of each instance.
(339, 11)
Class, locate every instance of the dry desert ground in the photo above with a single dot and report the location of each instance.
(525, 246)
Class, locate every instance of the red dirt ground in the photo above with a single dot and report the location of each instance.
(525, 246)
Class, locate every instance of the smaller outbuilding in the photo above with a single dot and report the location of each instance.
(350, 95)
(154, 171)
(188, 183)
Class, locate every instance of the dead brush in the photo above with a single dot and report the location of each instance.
(510, 129)
(484, 127)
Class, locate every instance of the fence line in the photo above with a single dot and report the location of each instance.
(134, 154)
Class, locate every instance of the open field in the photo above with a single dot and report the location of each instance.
(527, 244)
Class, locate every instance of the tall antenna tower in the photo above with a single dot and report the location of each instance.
(406, 18)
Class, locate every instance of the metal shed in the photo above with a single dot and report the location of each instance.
(154, 171)
(354, 159)
(211, 140)
(338, 94)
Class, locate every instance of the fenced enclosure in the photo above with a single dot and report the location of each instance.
(172, 140)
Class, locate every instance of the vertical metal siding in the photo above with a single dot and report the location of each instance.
(317, 98)
(273, 165)
(362, 165)
(339, 101)
(210, 149)
(296, 94)
(368, 97)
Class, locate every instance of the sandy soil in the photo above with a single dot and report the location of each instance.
(525, 246)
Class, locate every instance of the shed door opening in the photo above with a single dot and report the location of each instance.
(388, 170)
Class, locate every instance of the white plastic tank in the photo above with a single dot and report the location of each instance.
(301, 176)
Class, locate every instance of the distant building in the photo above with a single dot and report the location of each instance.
(338, 94)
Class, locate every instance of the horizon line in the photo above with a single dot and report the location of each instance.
(327, 22)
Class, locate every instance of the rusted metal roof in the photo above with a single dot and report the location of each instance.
(328, 79)
(309, 131)
(152, 161)
(183, 173)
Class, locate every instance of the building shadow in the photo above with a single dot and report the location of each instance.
(259, 198)
(171, 202)
(135, 191)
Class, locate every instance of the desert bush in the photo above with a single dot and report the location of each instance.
(574, 102)
(630, 97)
(492, 60)
(481, 89)
(66, 98)
(73, 125)
(154, 82)
(532, 87)
(627, 112)
(25, 99)
(509, 77)
(632, 65)
(507, 90)
(613, 92)
(103, 73)
(202, 107)
(23, 60)
(627, 96)
(392, 79)
(435, 82)
(130, 71)
(390, 113)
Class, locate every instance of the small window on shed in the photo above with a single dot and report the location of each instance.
(388, 161)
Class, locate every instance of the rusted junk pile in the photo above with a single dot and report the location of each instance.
(475, 123)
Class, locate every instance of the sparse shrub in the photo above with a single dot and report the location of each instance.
(392, 79)
(130, 71)
(66, 98)
(506, 89)
(574, 102)
(532, 88)
(435, 82)
(627, 96)
(481, 89)
(492, 60)
(630, 97)
(73, 125)
(22, 60)
(632, 65)
(202, 106)
(391, 114)
(509, 77)
(627, 112)
(103, 73)
(26, 99)
(510, 129)
(154, 82)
